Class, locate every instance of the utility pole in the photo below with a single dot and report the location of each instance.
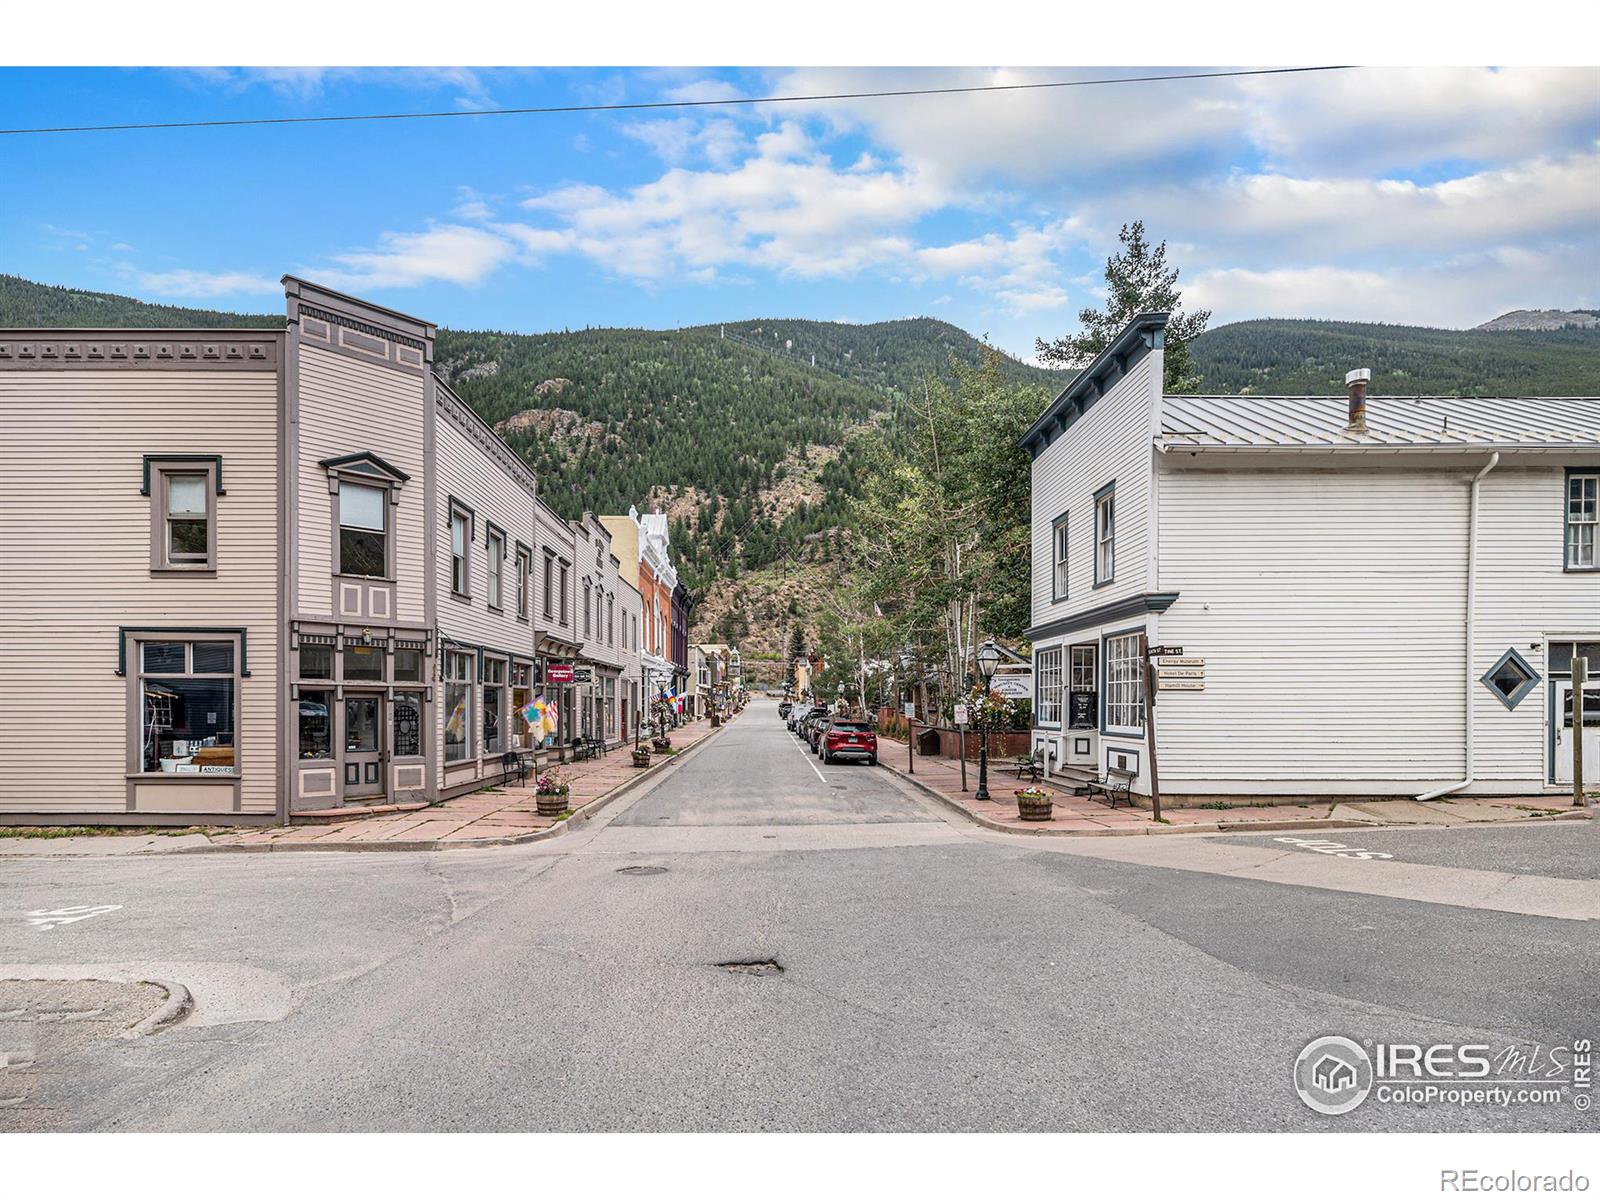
(1580, 676)
(1150, 724)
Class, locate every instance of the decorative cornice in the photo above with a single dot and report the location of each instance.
(1145, 332)
(183, 350)
(361, 340)
(1128, 606)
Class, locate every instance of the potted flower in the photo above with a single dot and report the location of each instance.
(550, 795)
(1034, 803)
(641, 756)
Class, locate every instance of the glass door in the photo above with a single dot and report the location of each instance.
(363, 746)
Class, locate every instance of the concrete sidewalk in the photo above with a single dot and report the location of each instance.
(494, 816)
(1085, 817)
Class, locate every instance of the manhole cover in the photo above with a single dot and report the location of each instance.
(641, 870)
(753, 966)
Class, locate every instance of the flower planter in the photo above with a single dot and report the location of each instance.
(661, 743)
(641, 758)
(550, 804)
(1035, 804)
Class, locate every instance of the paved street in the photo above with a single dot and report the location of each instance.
(934, 976)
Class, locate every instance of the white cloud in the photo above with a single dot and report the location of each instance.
(460, 254)
(305, 84)
(190, 284)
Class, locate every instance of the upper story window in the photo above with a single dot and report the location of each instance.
(460, 549)
(611, 620)
(524, 567)
(495, 544)
(1583, 520)
(587, 630)
(1058, 551)
(1105, 534)
(363, 530)
(549, 582)
(183, 513)
(563, 592)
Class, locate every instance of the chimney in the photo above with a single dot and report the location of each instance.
(1356, 384)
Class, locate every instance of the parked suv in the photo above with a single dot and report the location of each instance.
(802, 725)
(849, 737)
(785, 707)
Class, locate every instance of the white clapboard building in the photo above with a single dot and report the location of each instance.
(1363, 596)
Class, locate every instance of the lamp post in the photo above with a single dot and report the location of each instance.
(988, 660)
(911, 754)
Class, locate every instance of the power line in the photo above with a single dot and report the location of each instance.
(651, 104)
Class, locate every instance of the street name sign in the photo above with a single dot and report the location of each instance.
(1165, 651)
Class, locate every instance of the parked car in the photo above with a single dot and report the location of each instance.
(807, 716)
(785, 707)
(849, 737)
(814, 734)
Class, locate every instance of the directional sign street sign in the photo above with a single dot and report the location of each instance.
(1165, 651)
(1182, 672)
(1179, 661)
(1181, 685)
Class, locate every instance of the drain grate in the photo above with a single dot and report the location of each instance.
(641, 870)
(753, 966)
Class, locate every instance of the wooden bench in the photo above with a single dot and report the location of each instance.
(1031, 765)
(1117, 785)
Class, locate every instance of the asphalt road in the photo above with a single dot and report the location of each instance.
(934, 976)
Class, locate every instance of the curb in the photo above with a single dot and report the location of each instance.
(180, 1003)
(1219, 826)
(578, 819)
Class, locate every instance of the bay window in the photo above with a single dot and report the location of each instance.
(1124, 684)
(188, 707)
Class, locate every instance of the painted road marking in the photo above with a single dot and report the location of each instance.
(49, 918)
(808, 757)
(1337, 849)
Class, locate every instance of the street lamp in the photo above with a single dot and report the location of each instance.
(988, 660)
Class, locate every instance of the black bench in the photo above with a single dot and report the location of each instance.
(587, 747)
(515, 762)
(1117, 785)
(1031, 765)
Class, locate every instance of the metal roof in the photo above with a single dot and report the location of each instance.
(1393, 423)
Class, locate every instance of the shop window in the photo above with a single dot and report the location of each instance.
(188, 695)
(458, 672)
(316, 662)
(363, 530)
(407, 710)
(1048, 665)
(184, 526)
(363, 664)
(1583, 521)
(1124, 684)
(316, 725)
(1510, 679)
(407, 664)
(494, 678)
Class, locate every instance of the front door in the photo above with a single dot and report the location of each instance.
(363, 745)
(1562, 743)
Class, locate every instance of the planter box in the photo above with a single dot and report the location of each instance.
(550, 806)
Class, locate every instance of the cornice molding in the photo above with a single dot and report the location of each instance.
(188, 350)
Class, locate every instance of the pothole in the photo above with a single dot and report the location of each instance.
(641, 870)
(753, 966)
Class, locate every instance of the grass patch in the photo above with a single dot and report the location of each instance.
(72, 831)
(1216, 804)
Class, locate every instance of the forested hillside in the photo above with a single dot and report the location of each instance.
(1283, 357)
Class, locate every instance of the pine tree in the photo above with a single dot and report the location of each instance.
(1137, 280)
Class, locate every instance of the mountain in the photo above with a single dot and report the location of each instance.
(1294, 357)
(1543, 318)
(28, 305)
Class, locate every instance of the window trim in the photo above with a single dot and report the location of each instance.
(1528, 685)
(1568, 476)
(1059, 560)
(131, 640)
(548, 591)
(468, 717)
(524, 587)
(455, 508)
(390, 500)
(1107, 492)
(1039, 686)
(562, 600)
(495, 567)
(1104, 670)
(157, 469)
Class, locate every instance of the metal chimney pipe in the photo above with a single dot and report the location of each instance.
(1356, 384)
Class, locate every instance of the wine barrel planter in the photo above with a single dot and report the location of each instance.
(1036, 806)
(641, 758)
(548, 805)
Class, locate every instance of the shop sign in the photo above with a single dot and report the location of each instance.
(580, 675)
(558, 673)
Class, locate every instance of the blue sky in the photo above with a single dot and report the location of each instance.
(1438, 196)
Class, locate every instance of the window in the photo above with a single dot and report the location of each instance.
(563, 593)
(1124, 683)
(408, 664)
(187, 697)
(316, 725)
(1583, 520)
(316, 662)
(363, 530)
(1048, 704)
(1058, 543)
(524, 567)
(184, 533)
(549, 577)
(460, 546)
(494, 678)
(407, 717)
(496, 544)
(1510, 679)
(611, 620)
(587, 631)
(1105, 534)
(363, 664)
(458, 672)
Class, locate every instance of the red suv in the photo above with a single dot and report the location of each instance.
(843, 737)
